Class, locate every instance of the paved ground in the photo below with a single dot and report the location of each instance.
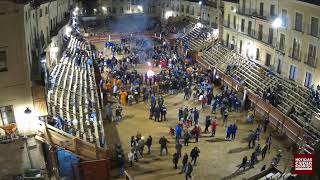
(14, 158)
(218, 158)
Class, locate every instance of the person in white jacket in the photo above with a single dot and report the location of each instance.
(130, 158)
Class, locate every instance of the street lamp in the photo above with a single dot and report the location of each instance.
(28, 112)
(277, 23)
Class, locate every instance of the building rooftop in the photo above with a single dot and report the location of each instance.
(315, 2)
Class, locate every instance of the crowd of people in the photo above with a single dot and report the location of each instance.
(179, 74)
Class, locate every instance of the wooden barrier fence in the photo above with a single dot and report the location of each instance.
(56, 137)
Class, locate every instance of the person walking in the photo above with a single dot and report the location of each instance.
(180, 114)
(121, 164)
(149, 143)
(264, 151)
(163, 145)
(196, 116)
(252, 139)
(186, 138)
(163, 113)
(131, 158)
(175, 159)
(244, 163)
(157, 114)
(268, 141)
(194, 154)
(196, 132)
(178, 148)
(178, 131)
(208, 123)
(252, 160)
(189, 170)
(225, 117)
(234, 131)
(184, 163)
(214, 127)
(228, 132)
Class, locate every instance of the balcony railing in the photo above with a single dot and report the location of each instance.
(311, 61)
(295, 54)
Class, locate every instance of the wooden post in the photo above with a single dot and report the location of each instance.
(52, 152)
(75, 144)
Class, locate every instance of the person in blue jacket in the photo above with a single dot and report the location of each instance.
(229, 130)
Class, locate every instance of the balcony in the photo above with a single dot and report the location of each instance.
(265, 16)
(56, 30)
(311, 61)
(295, 54)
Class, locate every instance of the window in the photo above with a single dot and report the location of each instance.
(6, 115)
(240, 47)
(40, 13)
(314, 26)
(261, 9)
(272, 7)
(312, 55)
(260, 32)
(296, 49)
(284, 17)
(279, 67)
(182, 8)
(47, 10)
(187, 9)
(282, 42)
(227, 40)
(192, 11)
(298, 22)
(242, 25)
(258, 54)
(3, 60)
(244, 6)
(268, 59)
(270, 39)
(177, 8)
(232, 43)
(114, 10)
(293, 73)
(228, 22)
(308, 80)
(234, 22)
(121, 10)
(249, 28)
